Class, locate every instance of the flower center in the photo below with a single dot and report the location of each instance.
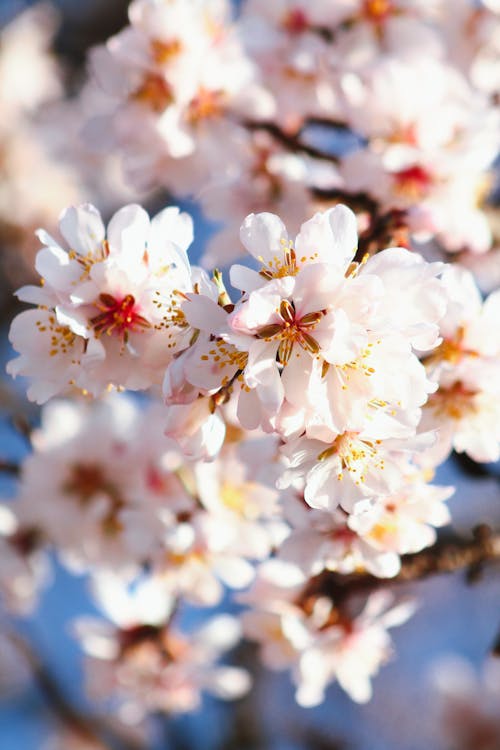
(292, 330)
(451, 350)
(456, 402)
(414, 182)
(163, 52)
(85, 480)
(355, 455)
(236, 498)
(119, 316)
(205, 105)
(296, 21)
(285, 265)
(154, 92)
(377, 10)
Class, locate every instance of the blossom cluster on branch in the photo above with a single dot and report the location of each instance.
(282, 422)
(301, 421)
(229, 111)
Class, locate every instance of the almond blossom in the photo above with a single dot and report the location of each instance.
(146, 663)
(292, 422)
(282, 38)
(369, 29)
(108, 307)
(177, 79)
(371, 540)
(100, 487)
(319, 643)
(318, 329)
(24, 566)
(465, 408)
(428, 149)
(353, 471)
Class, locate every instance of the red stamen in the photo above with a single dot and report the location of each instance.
(118, 316)
(296, 21)
(414, 182)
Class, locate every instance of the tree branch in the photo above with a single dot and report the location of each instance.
(9, 467)
(291, 142)
(450, 554)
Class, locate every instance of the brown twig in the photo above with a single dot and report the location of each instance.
(495, 649)
(327, 122)
(357, 201)
(450, 554)
(290, 141)
(9, 467)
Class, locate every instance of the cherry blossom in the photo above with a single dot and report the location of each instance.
(147, 663)
(319, 643)
(109, 307)
(315, 327)
(465, 406)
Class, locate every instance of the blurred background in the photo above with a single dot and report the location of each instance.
(442, 689)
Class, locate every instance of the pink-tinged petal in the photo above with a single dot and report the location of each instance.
(82, 228)
(235, 572)
(319, 491)
(296, 376)
(303, 548)
(57, 269)
(36, 295)
(264, 236)
(176, 388)
(75, 321)
(256, 312)
(203, 313)
(245, 279)
(172, 226)
(128, 233)
(199, 433)
(249, 411)
(110, 75)
(329, 237)
(261, 363)
(316, 287)
(357, 685)
(399, 614)
(341, 342)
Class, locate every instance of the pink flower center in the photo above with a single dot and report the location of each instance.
(414, 182)
(164, 52)
(118, 316)
(292, 330)
(154, 92)
(296, 21)
(377, 11)
(205, 105)
(456, 402)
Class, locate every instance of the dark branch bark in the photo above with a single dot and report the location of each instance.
(292, 142)
(9, 467)
(450, 554)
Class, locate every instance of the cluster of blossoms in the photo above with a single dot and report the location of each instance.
(298, 435)
(318, 641)
(32, 185)
(44, 163)
(287, 431)
(242, 114)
